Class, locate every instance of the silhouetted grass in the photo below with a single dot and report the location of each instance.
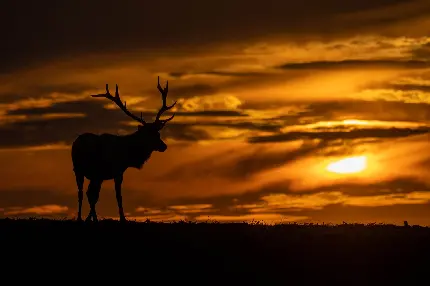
(348, 253)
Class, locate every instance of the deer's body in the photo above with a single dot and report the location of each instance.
(107, 156)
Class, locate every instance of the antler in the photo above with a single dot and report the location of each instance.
(164, 108)
(117, 101)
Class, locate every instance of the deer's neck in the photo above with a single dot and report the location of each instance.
(136, 151)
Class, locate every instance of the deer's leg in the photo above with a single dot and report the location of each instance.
(118, 182)
(80, 183)
(93, 196)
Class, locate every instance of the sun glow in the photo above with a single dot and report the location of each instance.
(349, 165)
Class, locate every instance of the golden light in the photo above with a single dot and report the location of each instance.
(348, 165)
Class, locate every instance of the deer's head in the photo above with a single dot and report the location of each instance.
(148, 133)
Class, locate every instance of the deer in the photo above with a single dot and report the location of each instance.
(101, 157)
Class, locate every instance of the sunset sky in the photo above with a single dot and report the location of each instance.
(270, 95)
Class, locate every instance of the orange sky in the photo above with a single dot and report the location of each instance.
(268, 97)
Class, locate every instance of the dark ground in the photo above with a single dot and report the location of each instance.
(215, 254)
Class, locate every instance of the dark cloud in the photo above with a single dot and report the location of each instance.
(404, 87)
(42, 131)
(236, 80)
(37, 130)
(401, 185)
(226, 203)
(269, 104)
(249, 163)
(193, 90)
(263, 159)
(332, 213)
(221, 205)
(336, 135)
(85, 106)
(44, 30)
(356, 109)
(243, 166)
(184, 132)
(379, 44)
(226, 113)
(266, 126)
(69, 88)
(426, 163)
(80, 106)
(356, 64)
(370, 110)
(422, 52)
(27, 198)
(9, 97)
(220, 73)
(39, 91)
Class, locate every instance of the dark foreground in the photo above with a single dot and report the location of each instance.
(221, 254)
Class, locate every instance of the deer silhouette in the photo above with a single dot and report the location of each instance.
(107, 156)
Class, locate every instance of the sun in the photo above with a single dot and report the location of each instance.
(349, 165)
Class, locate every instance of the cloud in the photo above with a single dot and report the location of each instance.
(184, 132)
(23, 200)
(357, 64)
(42, 132)
(44, 94)
(406, 87)
(335, 207)
(51, 38)
(91, 107)
(305, 112)
(426, 163)
(243, 163)
(344, 135)
(208, 89)
(188, 91)
(46, 125)
(36, 210)
(148, 211)
(176, 210)
(277, 204)
(272, 203)
(422, 52)
(297, 160)
(279, 198)
(370, 109)
(397, 186)
(191, 208)
(172, 213)
(320, 200)
(28, 198)
(200, 103)
(62, 122)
